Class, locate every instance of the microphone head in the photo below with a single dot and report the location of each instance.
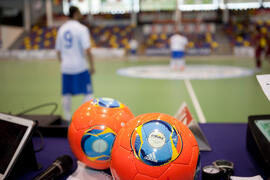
(66, 162)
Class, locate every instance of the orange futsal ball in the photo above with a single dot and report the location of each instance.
(93, 129)
(155, 146)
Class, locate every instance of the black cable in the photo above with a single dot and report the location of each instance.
(42, 141)
(39, 106)
(37, 131)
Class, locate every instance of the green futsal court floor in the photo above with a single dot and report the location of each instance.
(25, 84)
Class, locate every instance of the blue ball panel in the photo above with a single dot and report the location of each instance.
(108, 103)
(155, 155)
(87, 143)
(159, 125)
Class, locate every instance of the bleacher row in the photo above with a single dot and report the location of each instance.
(40, 38)
(241, 34)
(110, 37)
(201, 37)
(119, 37)
(200, 40)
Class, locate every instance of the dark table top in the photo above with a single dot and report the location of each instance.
(227, 140)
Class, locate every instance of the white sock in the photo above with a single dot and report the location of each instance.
(173, 64)
(87, 97)
(66, 103)
(181, 64)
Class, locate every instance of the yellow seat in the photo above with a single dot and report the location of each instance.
(214, 44)
(239, 39)
(190, 44)
(246, 43)
(47, 43)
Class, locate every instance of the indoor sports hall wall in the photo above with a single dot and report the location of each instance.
(8, 34)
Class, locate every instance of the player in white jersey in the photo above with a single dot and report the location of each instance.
(178, 45)
(133, 44)
(73, 50)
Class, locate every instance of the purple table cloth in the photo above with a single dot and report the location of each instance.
(227, 140)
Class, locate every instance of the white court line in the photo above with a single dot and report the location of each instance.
(195, 101)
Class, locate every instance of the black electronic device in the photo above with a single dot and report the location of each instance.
(211, 172)
(16, 152)
(226, 167)
(59, 166)
(258, 140)
(43, 120)
(50, 125)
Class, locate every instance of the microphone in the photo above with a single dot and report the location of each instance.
(59, 166)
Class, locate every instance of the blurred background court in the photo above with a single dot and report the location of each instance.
(26, 84)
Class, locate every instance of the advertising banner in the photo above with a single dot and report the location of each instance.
(157, 5)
